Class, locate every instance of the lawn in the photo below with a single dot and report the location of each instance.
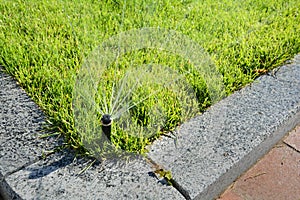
(45, 43)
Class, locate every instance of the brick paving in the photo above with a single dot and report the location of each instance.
(276, 176)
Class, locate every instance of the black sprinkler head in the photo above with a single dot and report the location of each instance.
(106, 120)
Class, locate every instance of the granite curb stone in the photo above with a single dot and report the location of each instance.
(21, 122)
(58, 177)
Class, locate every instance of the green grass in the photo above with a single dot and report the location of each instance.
(44, 43)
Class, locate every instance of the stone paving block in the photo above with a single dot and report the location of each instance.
(293, 139)
(58, 178)
(276, 176)
(21, 122)
(215, 148)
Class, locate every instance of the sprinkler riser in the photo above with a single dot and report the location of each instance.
(106, 125)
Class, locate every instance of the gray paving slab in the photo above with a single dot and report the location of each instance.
(58, 178)
(21, 123)
(213, 149)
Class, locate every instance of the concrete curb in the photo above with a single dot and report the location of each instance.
(213, 149)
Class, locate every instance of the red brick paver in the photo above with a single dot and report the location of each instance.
(293, 139)
(276, 176)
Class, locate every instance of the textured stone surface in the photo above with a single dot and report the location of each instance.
(21, 122)
(215, 148)
(58, 178)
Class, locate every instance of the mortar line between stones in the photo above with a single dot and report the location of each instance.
(162, 171)
(39, 158)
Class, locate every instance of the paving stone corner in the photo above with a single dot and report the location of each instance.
(213, 149)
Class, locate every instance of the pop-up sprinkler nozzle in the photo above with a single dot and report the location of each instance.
(106, 125)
